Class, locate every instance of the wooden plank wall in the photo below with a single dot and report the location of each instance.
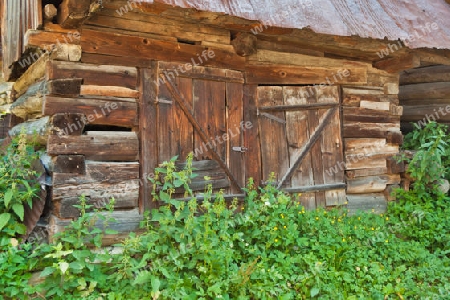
(93, 159)
(103, 161)
(99, 159)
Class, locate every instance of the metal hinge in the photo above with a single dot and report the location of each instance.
(239, 149)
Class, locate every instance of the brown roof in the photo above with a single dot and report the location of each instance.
(420, 23)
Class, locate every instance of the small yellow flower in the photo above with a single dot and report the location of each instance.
(343, 240)
(317, 218)
(276, 241)
(381, 215)
(387, 218)
(345, 203)
(332, 222)
(325, 212)
(282, 216)
(275, 228)
(242, 208)
(373, 228)
(284, 227)
(386, 241)
(339, 220)
(359, 218)
(14, 242)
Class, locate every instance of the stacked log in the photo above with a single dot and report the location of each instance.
(371, 118)
(82, 101)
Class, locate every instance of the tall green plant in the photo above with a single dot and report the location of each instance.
(18, 184)
(431, 161)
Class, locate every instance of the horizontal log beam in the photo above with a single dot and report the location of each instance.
(64, 198)
(371, 184)
(92, 74)
(119, 45)
(397, 64)
(426, 74)
(430, 112)
(108, 91)
(355, 114)
(365, 172)
(94, 171)
(102, 146)
(356, 129)
(287, 74)
(167, 72)
(159, 25)
(425, 91)
(109, 111)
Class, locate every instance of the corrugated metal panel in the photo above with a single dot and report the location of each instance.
(18, 16)
(400, 19)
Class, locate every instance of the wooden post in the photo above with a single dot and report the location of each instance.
(148, 132)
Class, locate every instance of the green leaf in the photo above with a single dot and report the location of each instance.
(143, 277)
(4, 219)
(8, 197)
(315, 291)
(63, 266)
(47, 271)
(18, 209)
(155, 284)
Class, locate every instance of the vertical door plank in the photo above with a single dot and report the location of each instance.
(297, 130)
(235, 116)
(147, 132)
(209, 111)
(184, 135)
(274, 150)
(166, 128)
(332, 149)
(252, 137)
(316, 151)
(201, 114)
(217, 116)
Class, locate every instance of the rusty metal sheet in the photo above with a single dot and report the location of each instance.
(409, 20)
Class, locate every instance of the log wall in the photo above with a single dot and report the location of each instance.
(90, 114)
(425, 95)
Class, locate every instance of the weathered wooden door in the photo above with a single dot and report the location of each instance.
(301, 142)
(198, 110)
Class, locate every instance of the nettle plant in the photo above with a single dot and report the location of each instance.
(431, 161)
(18, 184)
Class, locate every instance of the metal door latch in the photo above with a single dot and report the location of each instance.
(240, 149)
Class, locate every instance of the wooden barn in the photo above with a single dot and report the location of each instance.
(308, 90)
